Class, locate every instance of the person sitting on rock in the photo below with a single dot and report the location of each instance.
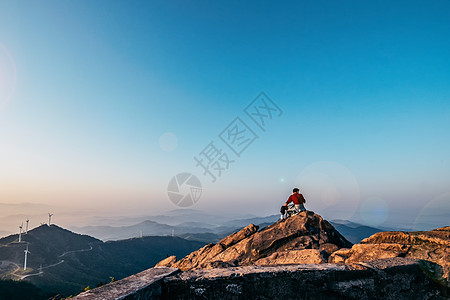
(297, 199)
(283, 210)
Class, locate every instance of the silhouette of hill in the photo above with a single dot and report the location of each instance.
(200, 230)
(354, 232)
(63, 262)
(45, 243)
(148, 227)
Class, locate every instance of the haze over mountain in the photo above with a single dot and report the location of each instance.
(192, 223)
(354, 232)
(205, 228)
(72, 261)
(64, 262)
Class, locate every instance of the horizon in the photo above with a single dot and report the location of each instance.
(106, 108)
(81, 219)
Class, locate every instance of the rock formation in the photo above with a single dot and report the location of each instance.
(394, 278)
(309, 239)
(391, 278)
(302, 239)
(431, 245)
(167, 261)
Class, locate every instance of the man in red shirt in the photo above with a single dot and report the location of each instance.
(297, 199)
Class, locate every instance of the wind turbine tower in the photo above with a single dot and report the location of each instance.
(26, 229)
(20, 232)
(25, 262)
(49, 218)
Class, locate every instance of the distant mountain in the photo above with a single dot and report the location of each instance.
(254, 220)
(354, 232)
(113, 233)
(205, 237)
(148, 228)
(63, 262)
(45, 243)
(180, 216)
(198, 230)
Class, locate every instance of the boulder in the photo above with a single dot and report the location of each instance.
(306, 256)
(278, 243)
(431, 245)
(167, 262)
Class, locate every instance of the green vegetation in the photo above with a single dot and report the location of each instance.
(13, 290)
(71, 261)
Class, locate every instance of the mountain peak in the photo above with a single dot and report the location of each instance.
(303, 238)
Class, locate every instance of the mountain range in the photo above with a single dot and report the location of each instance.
(206, 228)
(63, 262)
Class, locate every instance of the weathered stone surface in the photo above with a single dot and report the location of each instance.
(328, 248)
(143, 285)
(431, 245)
(167, 262)
(193, 259)
(393, 278)
(238, 236)
(206, 257)
(364, 252)
(306, 230)
(305, 256)
(397, 278)
(287, 260)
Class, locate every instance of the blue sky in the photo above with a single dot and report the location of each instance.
(89, 88)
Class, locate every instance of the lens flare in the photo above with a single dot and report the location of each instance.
(330, 189)
(435, 214)
(374, 211)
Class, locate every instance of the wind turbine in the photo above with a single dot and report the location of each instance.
(26, 254)
(49, 218)
(20, 232)
(26, 230)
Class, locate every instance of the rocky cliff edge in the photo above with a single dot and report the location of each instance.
(305, 238)
(309, 239)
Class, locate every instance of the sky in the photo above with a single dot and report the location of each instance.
(108, 106)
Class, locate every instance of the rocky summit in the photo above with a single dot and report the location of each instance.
(431, 246)
(305, 238)
(302, 257)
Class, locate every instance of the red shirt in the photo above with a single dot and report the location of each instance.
(296, 199)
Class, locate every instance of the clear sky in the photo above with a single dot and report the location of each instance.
(103, 102)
